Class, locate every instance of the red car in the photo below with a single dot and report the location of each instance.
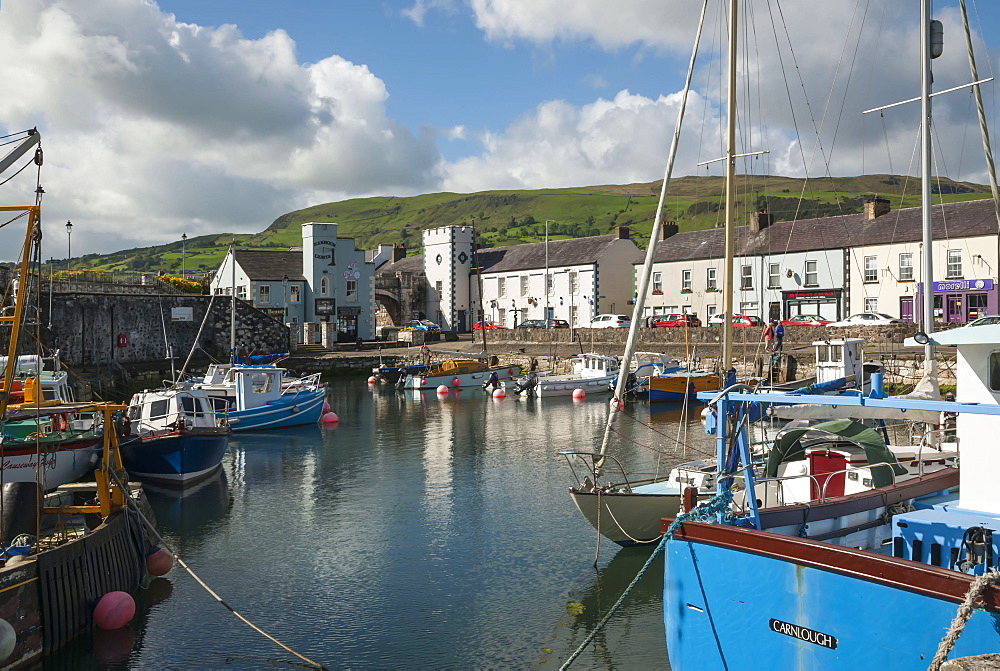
(669, 320)
(805, 320)
(747, 320)
(488, 325)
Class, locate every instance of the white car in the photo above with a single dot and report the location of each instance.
(610, 322)
(868, 319)
(718, 319)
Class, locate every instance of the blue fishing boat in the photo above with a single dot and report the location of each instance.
(262, 397)
(175, 436)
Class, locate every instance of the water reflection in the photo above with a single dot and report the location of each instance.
(184, 511)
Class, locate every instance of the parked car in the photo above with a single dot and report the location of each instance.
(805, 320)
(610, 322)
(985, 321)
(420, 325)
(486, 324)
(540, 324)
(748, 320)
(676, 319)
(867, 319)
(718, 319)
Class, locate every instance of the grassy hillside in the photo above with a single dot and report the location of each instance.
(512, 217)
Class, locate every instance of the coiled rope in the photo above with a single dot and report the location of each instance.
(965, 610)
(703, 512)
(159, 538)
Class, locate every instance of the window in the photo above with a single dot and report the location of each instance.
(439, 290)
(871, 305)
(773, 275)
(954, 263)
(573, 310)
(710, 281)
(324, 286)
(241, 293)
(524, 285)
(502, 287)
(685, 280)
(502, 316)
(746, 277)
(657, 283)
(906, 267)
(574, 282)
(812, 277)
(264, 294)
(294, 293)
(748, 308)
(995, 371)
(871, 269)
(548, 284)
(352, 290)
(712, 309)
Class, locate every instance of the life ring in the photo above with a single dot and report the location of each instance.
(510, 371)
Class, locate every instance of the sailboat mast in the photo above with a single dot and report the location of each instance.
(927, 258)
(727, 272)
(232, 314)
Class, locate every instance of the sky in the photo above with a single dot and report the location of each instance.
(206, 116)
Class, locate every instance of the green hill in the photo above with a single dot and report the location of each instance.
(513, 217)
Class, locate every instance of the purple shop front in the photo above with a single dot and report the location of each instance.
(955, 301)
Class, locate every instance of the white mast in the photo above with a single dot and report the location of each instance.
(727, 271)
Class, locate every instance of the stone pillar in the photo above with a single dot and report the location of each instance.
(307, 333)
(328, 334)
(292, 337)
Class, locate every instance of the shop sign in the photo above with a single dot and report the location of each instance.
(963, 285)
(828, 293)
(326, 306)
(348, 312)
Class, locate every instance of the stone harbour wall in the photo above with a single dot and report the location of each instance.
(97, 328)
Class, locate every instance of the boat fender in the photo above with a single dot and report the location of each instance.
(510, 371)
(59, 422)
(8, 638)
(295, 409)
(123, 426)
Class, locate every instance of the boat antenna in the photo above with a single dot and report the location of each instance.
(654, 236)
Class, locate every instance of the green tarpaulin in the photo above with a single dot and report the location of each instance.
(789, 448)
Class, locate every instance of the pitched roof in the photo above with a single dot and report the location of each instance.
(407, 264)
(570, 252)
(953, 220)
(267, 265)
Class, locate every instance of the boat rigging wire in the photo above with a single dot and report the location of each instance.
(201, 582)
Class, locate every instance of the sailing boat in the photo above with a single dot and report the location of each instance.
(734, 592)
(50, 592)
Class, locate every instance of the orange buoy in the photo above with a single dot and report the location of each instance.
(371, 380)
(114, 610)
(330, 418)
(159, 561)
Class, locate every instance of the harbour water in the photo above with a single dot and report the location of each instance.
(420, 532)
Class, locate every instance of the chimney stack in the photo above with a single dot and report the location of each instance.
(398, 252)
(623, 232)
(875, 207)
(761, 220)
(668, 229)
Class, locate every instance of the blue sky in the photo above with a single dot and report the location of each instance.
(186, 116)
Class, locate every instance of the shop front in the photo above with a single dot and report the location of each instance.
(347, 323)
(959, 301)
(822, 302)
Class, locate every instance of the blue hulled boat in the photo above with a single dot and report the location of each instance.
(176, 437)
(263, 397)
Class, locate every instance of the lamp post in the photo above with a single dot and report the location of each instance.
(284, 296)
(69, 243)
(184, 237)
(547, 325)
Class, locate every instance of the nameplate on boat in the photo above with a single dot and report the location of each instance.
(804, 634)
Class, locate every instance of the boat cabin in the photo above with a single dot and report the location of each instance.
(243, 387)
(837, 359)
(457, 367)
(594, 365)
(167, 410)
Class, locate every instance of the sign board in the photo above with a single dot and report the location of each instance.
(348, 312)
(326, 306)
(182, 314)
(822, 293)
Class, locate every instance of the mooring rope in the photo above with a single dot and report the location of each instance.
(703, 512)
(965, 610)
(201, 582)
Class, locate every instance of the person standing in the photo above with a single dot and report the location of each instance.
(425, 354)
(768, 336)
(779, 335)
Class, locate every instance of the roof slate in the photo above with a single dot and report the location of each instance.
(953, 220)
(407, 264)
(267, 265)
(570, 252)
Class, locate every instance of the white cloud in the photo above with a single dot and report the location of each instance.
(152, 127)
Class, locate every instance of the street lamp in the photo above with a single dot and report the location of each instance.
(184, 237)
(69, 243)
(547, 313)
(284, 295)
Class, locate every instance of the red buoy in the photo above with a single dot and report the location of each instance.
(330, 418)
(456, 382)
(159, 562)
(114, 610)
(326, 406)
